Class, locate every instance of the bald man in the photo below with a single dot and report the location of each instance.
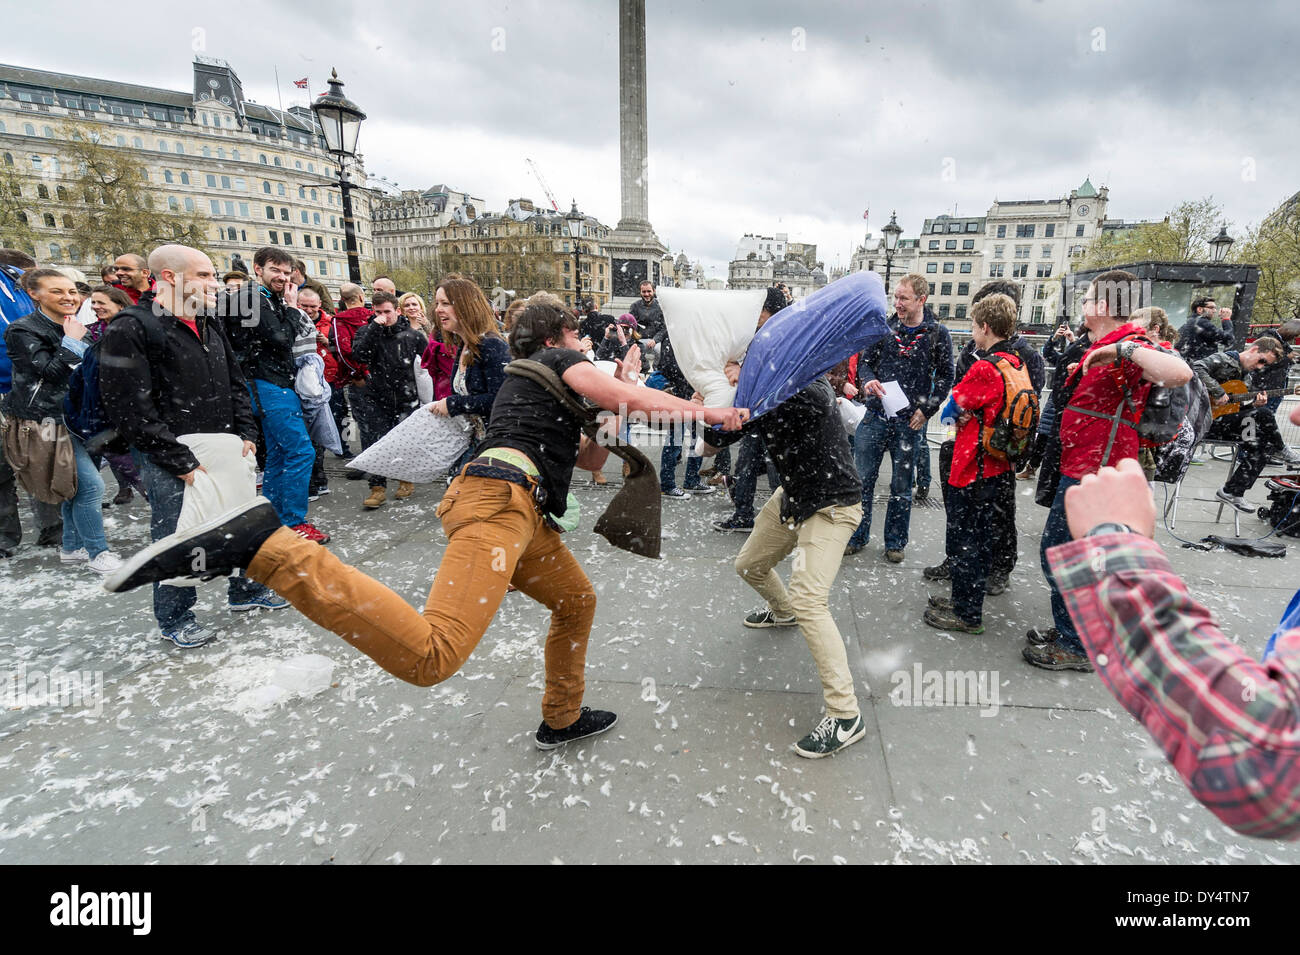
(133, 275)
(384, 284)
(167, 370)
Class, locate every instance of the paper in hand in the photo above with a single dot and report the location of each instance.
(894, 400)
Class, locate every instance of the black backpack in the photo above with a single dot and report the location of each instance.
(1283, 511)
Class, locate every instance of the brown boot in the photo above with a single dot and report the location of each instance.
(598, 478)
(378, 497)
(404, 490)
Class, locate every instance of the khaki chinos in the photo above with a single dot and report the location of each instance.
(818, 544)
(495, 536)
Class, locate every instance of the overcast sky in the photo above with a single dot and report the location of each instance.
(763, 117)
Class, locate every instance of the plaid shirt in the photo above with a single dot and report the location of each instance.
(1229, 725)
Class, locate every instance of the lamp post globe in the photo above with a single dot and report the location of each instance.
(340, 123)
(1221, 243)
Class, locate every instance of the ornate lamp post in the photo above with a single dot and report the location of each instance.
(892, 231)
(1220, 244)
(340, 122)
(575, 220)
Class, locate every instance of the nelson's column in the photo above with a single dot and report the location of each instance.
(634, 249)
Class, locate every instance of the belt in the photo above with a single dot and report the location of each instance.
(509, 457)
(486, 466)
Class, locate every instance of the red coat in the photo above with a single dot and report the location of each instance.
(1084, 437)
(344, 327)
(324, 325)
(439, 361)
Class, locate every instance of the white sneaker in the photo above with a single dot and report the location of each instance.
(105, 562)
(73, 556)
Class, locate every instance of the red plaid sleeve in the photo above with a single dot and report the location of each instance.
(1229, 725)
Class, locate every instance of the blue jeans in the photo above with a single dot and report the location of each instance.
(1057, 531)
(289, 454)
(750, 461)
(174, 606)
(873, 437)
(668, 462)
(922, 463)
(83, 521)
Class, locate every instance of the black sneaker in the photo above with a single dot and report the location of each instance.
(352, 474)
(1039, 638)
(761, 619)
(589, 723)
(939, 571)
(677, 494)
(830, 736)
(214, 549)
(920, 494)
(733, 523)
(995, 585)
(698, 489)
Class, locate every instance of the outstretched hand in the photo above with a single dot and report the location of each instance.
(1118, 494)
(628, 368)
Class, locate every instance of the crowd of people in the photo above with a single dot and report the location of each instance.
(142, 371)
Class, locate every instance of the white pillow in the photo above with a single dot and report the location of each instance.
(709, 329)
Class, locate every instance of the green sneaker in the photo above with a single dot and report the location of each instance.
(830, 736)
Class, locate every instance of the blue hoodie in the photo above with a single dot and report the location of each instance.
(14, 304)
(919, 359)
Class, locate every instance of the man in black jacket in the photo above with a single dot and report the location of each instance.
(388, 346)
(1204, 331)
(168, 370)
(262, 323)
(648, 313)
(813, 513)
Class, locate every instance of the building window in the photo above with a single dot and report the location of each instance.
(185, 179)
(1078, 231)
(972, 226)
(967, 244)
(997, 270)
(1044, 270)
(965, 268)
(1047, 252)
(315, 218)
(1019, 271)
(1002, 232)
(963, 288)
(277, 160)
(288, 237)
(936, 228)
(275, 236)
(167, 176)
(949, 267)
(302, 192)
(931, 268)
(180, 149)
(320, 242)
(48, 219)
(230, 234)
(931, 291)
(36, 163)
(211, 181)
(266, 187)
(270, 212)
(945, 288)
(42, 192)
(305, 218)
(954, 226)
(67, 220)
(1036, 315)
(189, 204)
(1022, 251)
(1049, 230)
(284, 214)
(944, 310)
(56, 253)
(29, 129)
(960, 312)
(215, 206)
(950, 245)
(934, 245)
(173, 204)
(225, 182)
(1025, 231)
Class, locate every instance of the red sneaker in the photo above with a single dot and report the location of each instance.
(311, 532)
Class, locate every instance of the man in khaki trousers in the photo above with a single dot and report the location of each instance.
(812, 514)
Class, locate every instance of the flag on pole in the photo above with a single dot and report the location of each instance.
(301, 84)
(867, 212)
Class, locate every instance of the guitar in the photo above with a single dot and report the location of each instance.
(1239, 387)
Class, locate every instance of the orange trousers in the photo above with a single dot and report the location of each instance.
(495, 536)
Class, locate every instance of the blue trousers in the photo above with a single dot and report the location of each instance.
(174, 606)
(750, 462)
(83, 521)
(289, 454)
(874, 436)
(1057, 531)
(922, 463)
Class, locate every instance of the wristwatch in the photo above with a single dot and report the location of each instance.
(1125, 350)
(1110, 527)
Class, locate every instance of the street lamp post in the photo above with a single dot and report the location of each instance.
(574, 220)
(340, 122)
(892, 231)
(1220, 244)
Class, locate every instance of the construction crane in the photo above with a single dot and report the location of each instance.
(542, 179)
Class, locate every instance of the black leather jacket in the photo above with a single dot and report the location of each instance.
(42, 368)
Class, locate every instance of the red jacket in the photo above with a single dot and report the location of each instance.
(324, 325)
(439, 361)
(1084, 436)
(134, 294)
(345, 325)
